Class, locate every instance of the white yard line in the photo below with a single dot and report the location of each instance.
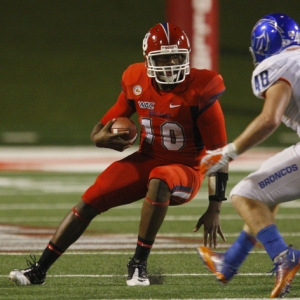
(160, 275)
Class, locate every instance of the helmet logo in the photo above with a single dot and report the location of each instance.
(145, 42)
(137, 90)
(262, 43)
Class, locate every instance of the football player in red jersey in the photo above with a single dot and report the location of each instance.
(180, 118)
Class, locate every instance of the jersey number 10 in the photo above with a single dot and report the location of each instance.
(171, 133)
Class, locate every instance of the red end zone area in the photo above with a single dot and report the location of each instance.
(91, 159)
(25, 239)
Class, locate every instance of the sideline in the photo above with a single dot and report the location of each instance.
(89, 159)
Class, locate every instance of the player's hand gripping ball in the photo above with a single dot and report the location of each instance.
(125, 124)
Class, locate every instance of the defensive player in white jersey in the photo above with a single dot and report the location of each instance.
(276, 51)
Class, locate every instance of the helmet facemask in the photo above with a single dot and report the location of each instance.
(168, 73)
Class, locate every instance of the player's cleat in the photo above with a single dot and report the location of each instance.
(31, 275)
(215, 262)
(285, 268)
(137, 273)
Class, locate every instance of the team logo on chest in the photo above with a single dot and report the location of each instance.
(137, 90)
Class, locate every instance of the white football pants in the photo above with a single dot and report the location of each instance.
(276, 181)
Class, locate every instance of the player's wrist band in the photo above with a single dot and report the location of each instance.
(218, 183)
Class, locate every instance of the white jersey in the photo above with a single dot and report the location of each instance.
(278, 178)
(284, 66)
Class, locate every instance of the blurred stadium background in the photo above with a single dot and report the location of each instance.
(62, 61)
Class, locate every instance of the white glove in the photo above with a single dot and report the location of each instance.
(216, 159)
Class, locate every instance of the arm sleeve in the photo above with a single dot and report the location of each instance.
(211, 124)
(213, 90)
(120, 108)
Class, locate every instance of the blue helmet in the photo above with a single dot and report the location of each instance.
(272, 34)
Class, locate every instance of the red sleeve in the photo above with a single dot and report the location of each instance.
(120, 108)
(211, 124)
(213, 90)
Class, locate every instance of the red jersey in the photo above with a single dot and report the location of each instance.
(176, 126)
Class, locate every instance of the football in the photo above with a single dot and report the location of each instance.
(125, 124)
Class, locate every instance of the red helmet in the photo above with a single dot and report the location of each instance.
(166, 39)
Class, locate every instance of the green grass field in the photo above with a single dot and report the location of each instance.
(33, 204)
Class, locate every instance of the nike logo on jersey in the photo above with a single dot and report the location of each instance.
(173, 106)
